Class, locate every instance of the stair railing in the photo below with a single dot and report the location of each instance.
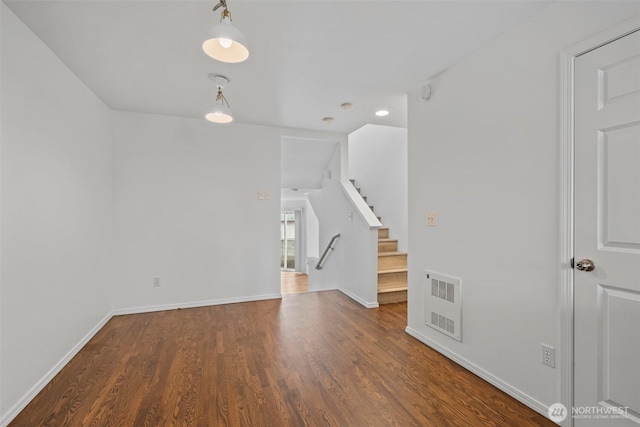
(326, 251)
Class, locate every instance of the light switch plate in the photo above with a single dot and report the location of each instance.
(264, 195)
(432, 219)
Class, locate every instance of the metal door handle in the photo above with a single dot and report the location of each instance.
(586, 265)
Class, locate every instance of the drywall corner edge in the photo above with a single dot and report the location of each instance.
(358, 299)
(33, 392)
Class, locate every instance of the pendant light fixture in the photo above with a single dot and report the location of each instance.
(226, 43)
(220, 113)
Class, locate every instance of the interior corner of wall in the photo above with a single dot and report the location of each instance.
(344, 159)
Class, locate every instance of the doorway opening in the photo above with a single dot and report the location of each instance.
(288, 241)
(293, 278)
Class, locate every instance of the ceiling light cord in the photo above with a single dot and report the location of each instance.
(223, 3)
(225, 14)
(220, 96)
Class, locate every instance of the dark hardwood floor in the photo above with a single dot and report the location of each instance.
(312, 359)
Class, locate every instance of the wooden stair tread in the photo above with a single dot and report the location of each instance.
(392, 297)
(388, 260)
(385, 244)
(398, 288)
(383, 232)
(393, 270)
(391, 253)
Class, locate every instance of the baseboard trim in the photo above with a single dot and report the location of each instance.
(28, 397)
(195, 304)
(37, 388)
(488, 377)
(358, 299)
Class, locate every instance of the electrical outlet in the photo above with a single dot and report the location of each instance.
(548, 355)
(156, 281)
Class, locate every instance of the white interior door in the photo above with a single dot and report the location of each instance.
(607, 231)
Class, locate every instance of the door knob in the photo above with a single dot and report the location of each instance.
(586, 265)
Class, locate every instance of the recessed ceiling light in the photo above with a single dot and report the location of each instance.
(382, 113)
(328, 120)
(346, 105)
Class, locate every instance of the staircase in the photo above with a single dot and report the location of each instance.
(392, 266)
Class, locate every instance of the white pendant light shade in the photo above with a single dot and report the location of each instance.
(220, 113)
(226, 43)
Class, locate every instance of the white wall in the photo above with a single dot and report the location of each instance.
(1, 411)
(179, 195)
(56, 211)
(313, 231)
(352, 266)
(187, 211)
(378, 163)
(484, 154)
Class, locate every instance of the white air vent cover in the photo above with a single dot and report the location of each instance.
(443, 304)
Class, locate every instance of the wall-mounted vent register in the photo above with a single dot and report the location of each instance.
(443, 304)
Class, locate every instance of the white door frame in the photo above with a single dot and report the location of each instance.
(568, 57)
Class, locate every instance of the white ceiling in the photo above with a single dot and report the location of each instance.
(307, 57)
(304, 161)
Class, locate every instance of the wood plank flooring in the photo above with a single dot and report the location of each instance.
(312, 359)
(292, 282)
